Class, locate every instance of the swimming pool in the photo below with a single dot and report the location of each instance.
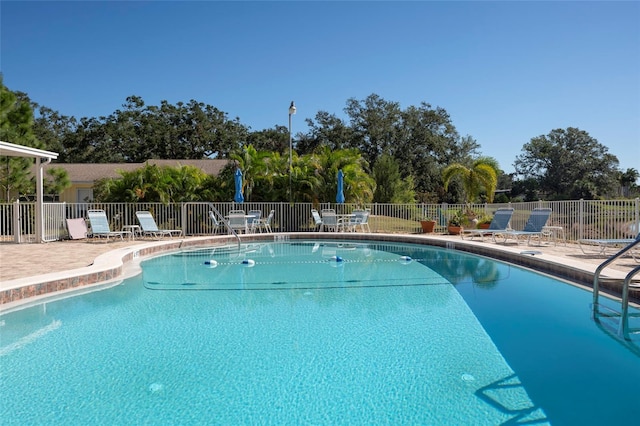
(318, 332)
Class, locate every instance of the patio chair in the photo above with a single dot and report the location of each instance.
(533, 228)
(217, 225)
(100, 226)
(238, 222)
(150, 228)
(349, 222)
(442, 222)
(357, 218)
(317, 220)
(499, 223)
(252, 221)
(362, 219)
(265, 223)
(330, 220)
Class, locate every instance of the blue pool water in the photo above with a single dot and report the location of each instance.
(318, 333)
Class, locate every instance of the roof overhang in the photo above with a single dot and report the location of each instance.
(13, 150)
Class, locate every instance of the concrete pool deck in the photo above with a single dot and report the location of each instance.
(36, 270)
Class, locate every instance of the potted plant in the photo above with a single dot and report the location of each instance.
(428, 224)
(484, 221)
(454, 226)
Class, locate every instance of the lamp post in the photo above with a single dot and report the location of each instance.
(292, 110)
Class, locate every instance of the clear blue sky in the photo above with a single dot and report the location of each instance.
(505, 71)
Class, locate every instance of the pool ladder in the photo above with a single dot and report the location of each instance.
(226, 223)
(623, 331)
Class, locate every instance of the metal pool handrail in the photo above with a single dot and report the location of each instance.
(226, 223)
(596, 276)
(623, 327)
(624, 320)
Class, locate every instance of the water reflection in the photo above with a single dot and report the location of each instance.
(459, 267)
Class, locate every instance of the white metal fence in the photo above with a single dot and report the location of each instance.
(579, 219)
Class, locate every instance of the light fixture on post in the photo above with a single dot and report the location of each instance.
(292, 110)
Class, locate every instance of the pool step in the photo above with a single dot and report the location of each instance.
(625, 330)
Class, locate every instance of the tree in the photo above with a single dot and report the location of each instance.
(54, 130)
(568, 164)
(190, 131)
(628, 181)
(390, 187)
(252, 164)
(16, 126)
(375, 123)
(156, 184)
(525, 189)
(58, 181)
(427, 140)
(326, 130)
(139, 132)
(272, 140)
(481, 175)
(273, 183)
(323, 166)
(420, 139)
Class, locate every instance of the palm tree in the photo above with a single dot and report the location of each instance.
(325, 163)
(183, 183)
(482, 174)
(252, 164)
(272, 184)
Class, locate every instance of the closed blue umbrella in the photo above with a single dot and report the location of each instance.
(238, 198)
(340, 194)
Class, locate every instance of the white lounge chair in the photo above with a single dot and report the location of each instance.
(499, 224)
(600, 246)
(100, 226)
(150, 228)
(77, 229)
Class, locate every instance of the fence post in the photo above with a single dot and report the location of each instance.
(581, 218)
(17, 229)
(637, 202)
(183, 217)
